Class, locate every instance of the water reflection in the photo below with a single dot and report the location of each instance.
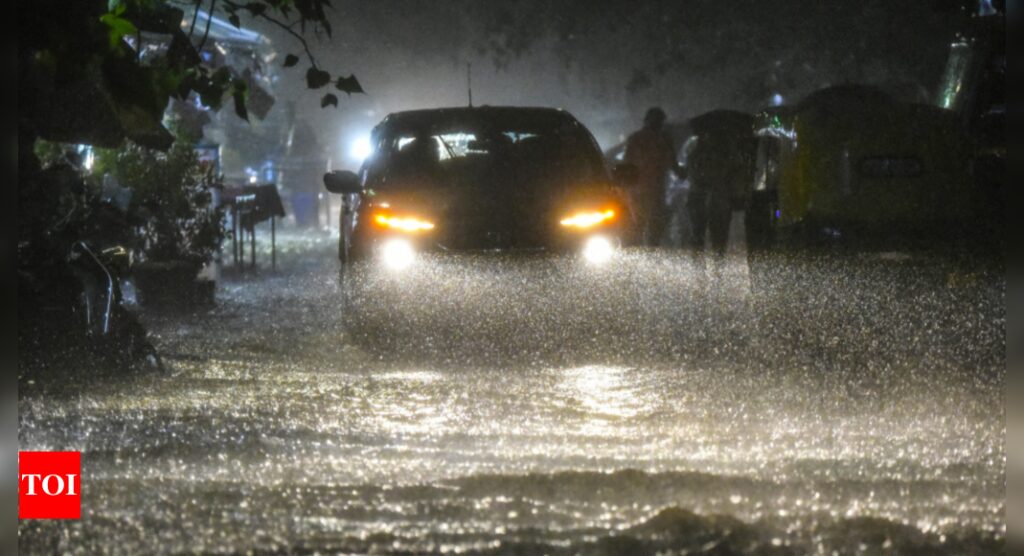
(604, 392)
(276, 433)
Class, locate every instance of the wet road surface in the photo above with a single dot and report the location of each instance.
(540, 407)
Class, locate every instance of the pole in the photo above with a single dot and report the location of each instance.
(235, 232)
(252, 245)
(273, 243)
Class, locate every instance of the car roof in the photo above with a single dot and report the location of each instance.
(518, 117)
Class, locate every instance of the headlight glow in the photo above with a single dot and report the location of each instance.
(409, 224)
(597, 250)
(397, 254)
(361, 148)
(589, 219)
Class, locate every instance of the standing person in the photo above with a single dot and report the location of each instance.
(721, 171)
(650, 149)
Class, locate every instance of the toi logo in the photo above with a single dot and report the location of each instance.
(49, 485)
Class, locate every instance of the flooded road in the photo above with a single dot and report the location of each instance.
(538, 407)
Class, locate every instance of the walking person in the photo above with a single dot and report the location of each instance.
(721, 171)
(650, 149)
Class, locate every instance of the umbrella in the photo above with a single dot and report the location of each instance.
(731, 122)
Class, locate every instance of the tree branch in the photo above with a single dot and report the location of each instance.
(195, 16)
(206, 33)
(298, 37)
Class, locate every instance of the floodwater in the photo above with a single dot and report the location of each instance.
(542, 407)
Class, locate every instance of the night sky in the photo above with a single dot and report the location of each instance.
(606, 61)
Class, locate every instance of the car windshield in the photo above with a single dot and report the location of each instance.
(466, 155)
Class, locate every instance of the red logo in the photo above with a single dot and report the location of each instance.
(49, 485)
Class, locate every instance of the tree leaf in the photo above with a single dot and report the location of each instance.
(240, 109)
(181, 52)
(239, 84)
(329, 98)
(316, 78)
(256, 8)
(233, 18)
(210, 95)
(118, 27)
(349, 85)
(290, 60)
(222, 76)
(211, 89)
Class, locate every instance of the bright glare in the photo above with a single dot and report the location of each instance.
(397, 254)
(597, 250)
(406, 224)
(361, 148)
(588, 219)
(605, 392)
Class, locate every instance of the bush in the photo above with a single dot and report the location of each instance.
(171, 204)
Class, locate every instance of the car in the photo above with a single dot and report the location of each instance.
(481, 179)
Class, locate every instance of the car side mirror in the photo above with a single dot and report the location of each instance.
(625, 174)
(342, 182)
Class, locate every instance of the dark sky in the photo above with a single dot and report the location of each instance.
(608, 60)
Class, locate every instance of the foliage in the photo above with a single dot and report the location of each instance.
(82, 79)
(171, 204)
(50, 153)
(63, 205)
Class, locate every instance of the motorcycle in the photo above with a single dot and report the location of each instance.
(71, 315)
(113, 329)
(71, 312)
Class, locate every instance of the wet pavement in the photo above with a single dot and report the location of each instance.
(539, 406)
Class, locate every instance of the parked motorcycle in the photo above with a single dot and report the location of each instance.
(115, 330)
(71, 316)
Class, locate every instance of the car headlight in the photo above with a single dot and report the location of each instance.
(397, 254)
(588, 219)
(409, 224)
(598, 250)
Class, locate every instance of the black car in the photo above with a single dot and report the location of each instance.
(477, 179)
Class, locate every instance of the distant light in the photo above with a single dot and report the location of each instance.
(397, 254)
(777, 99)
(252, 179)
(361, 149)
(597, 250)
